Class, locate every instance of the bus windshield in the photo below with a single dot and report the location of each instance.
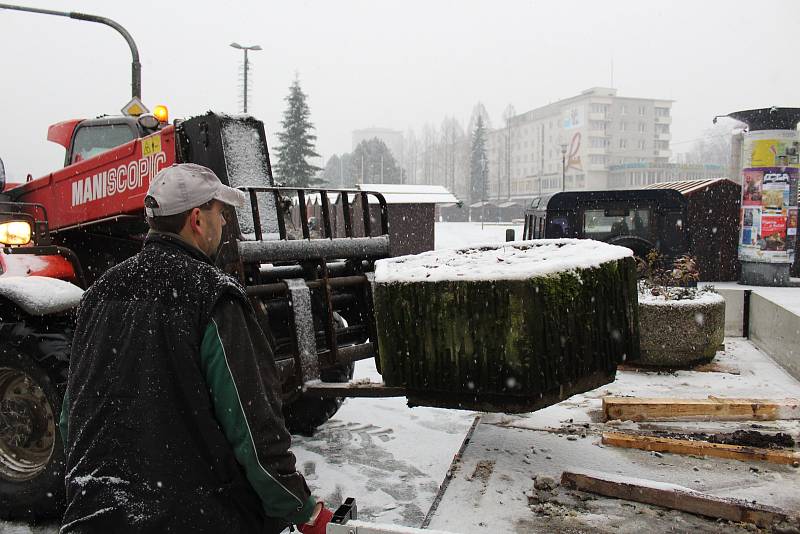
(602, 224)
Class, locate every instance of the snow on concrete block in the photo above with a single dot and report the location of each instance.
(508, 327)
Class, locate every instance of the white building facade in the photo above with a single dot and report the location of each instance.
(572, 143)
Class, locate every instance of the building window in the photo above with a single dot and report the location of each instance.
(599, 108)
(597, 142)
(622, 109)
(623, 126)
(643, 127)
(641, 144)
(641, 110)
(623, 143)
(662, 112)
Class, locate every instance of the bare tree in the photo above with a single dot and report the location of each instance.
(451, 133)
(429, 138)
(410, 155)
(714, 146)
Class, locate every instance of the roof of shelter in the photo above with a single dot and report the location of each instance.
(409, 193)
(688, 186)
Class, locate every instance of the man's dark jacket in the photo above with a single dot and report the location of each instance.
(171, 416)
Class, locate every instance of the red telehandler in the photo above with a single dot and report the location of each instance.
(311, 290)
(310, 286)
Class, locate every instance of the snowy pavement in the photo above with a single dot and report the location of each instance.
(494, 478)
(391, 458)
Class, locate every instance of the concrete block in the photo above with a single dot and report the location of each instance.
(776, 331)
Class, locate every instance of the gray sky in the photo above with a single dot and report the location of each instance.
(392, 64)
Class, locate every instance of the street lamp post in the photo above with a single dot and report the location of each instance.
(483, 189)
(136, 66)
(563, 165)
(246, 67)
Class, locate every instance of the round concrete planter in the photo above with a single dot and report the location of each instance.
(679, 333)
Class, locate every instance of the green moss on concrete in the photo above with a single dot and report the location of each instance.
(519, 338)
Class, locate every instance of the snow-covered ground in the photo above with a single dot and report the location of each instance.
(463, 234)
(391, 458)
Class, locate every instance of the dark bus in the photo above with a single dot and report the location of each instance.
(639, 219)
(697, 217)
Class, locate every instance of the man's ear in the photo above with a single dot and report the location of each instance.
(194, 218)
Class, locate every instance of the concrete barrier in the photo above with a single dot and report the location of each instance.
(734, 311)
(772, 322)
(776, 331)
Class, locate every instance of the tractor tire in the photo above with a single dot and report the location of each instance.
(31, 449)
(308, 412)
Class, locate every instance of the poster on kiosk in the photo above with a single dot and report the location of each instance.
(770, 168)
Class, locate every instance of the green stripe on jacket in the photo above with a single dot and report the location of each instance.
(277, 500)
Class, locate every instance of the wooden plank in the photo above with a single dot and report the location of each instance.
(699, 448)
(352, 389)
(710, 367)
(710, 409)
(674, 497)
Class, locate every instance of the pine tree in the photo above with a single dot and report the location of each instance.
(296, 142)
(478, 168)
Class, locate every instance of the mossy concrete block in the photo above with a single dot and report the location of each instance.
(681, 333)
(511, 345)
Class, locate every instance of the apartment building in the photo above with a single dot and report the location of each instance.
(572, 143)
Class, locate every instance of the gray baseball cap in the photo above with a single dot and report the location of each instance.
(184, 186)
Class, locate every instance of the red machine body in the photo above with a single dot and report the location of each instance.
(52, 266)
(105, 186)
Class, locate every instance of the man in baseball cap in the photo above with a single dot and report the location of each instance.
(172, 418)
(188, 200)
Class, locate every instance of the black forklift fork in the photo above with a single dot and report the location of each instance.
(280, 269)
(309, 263)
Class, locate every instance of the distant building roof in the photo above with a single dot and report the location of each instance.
(687, 186)
(410, 194)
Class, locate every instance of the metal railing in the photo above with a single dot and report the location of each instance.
(331, 242)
